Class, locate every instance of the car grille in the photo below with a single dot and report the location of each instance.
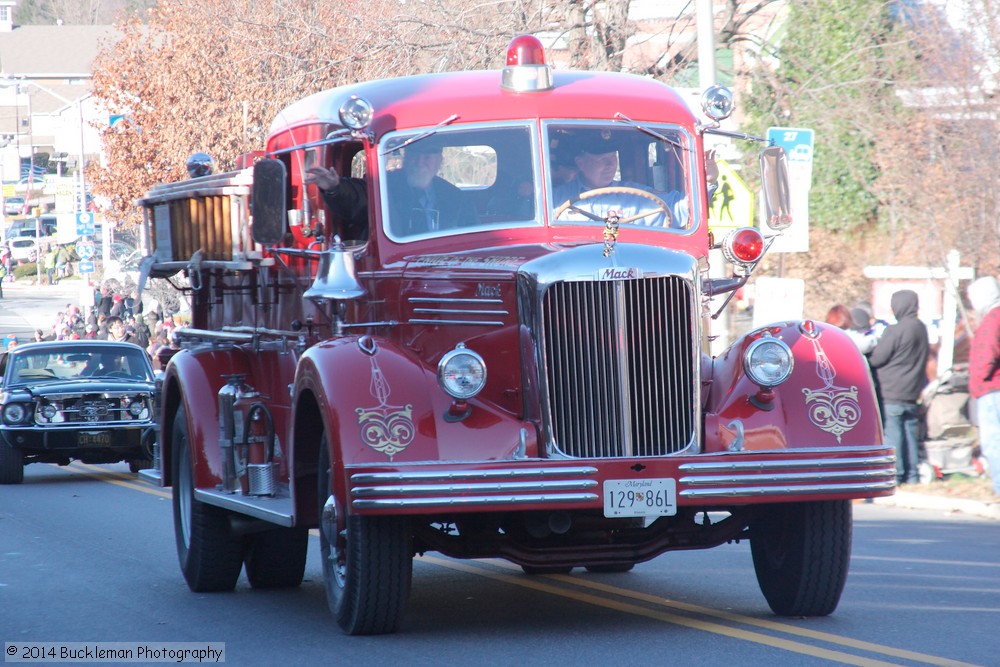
(620, 366)
(90, 410)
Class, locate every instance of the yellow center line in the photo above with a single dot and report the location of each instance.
(126, 480)
(707, 626)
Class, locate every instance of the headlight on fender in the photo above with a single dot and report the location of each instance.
(462, 373)
(768, 361)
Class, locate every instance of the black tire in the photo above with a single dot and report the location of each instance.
(611, 569)
(210, 555)
(277, 558)
(536, 570)
(11, 464)
(367, 563)
(135, 465)
(801, 554)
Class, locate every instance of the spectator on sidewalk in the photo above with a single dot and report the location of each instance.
(984, 371)
(900, 361)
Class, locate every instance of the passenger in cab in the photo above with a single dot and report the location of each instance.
(420, 201)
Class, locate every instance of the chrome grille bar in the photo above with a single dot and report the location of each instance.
(620, 366)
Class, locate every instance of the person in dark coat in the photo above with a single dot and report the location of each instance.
(900, 361)
(420, 201)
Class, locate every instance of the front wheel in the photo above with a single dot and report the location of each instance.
(11, 464)
(367, 562)
(210, 555)
(801, 553)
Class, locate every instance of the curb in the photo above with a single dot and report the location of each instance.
(985, 509)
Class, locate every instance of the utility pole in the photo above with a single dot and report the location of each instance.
(707, 77)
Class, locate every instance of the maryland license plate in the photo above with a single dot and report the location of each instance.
(640, 497)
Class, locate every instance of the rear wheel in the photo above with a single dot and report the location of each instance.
(801, 553)
(11, 464)
(277, 558)
(367, 562)
(210, 555)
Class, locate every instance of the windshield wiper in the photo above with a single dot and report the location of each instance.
(651, 132)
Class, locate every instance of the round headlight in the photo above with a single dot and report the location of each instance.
(48, 412)
(136, 408)
(768, 362)
(462, 373)
(14, 413)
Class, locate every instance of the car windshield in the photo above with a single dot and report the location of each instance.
(459, 180)
(77, 362)
(642, 174)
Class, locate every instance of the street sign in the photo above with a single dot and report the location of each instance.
(85, 267)
(798, 145)
(732, 205)
(85, 250)
(85, 224)
(797, 142)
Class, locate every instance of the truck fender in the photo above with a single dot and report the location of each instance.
(192, 379)
(375, 399)
(829, 399)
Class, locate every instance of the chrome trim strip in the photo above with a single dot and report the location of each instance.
(819, 489)
(429, 299)
(789, 477)
(498, 487)
(463, 322)
(796, 464)
(473, 501)
(461, 311)
(279, 510)
(462, 475)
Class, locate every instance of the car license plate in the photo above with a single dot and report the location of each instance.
(640, 497)
(102, 439)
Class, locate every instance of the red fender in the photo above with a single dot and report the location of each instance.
(384, 406)
(828, 401)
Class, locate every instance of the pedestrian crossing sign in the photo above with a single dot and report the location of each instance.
(732, 206)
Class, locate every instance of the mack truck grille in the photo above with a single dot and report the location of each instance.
(620, 366)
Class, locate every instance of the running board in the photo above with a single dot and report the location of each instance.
(280, 511)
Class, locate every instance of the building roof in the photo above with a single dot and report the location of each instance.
(51, 51)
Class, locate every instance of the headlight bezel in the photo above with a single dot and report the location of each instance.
(766, 351)
(461, 362)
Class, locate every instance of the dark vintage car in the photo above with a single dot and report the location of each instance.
(93, 401)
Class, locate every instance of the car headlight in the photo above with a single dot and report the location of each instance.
(48, 412)
(768, 361)
(462, 373)
(14, 413)
(137, 408)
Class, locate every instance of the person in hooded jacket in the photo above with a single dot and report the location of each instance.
(984, 370)
(900, 361)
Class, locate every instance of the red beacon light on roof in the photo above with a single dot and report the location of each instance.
(526, 70)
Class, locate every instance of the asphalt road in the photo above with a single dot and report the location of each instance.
(87, 555)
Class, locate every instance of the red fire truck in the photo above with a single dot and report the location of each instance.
(490, 339)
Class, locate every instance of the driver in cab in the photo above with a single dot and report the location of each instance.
(595, 156)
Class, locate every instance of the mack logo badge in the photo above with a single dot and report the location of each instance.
(488, 291)
(618, 273)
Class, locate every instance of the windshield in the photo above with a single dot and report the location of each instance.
(644, 176)
(76, 363)
(458, 180)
